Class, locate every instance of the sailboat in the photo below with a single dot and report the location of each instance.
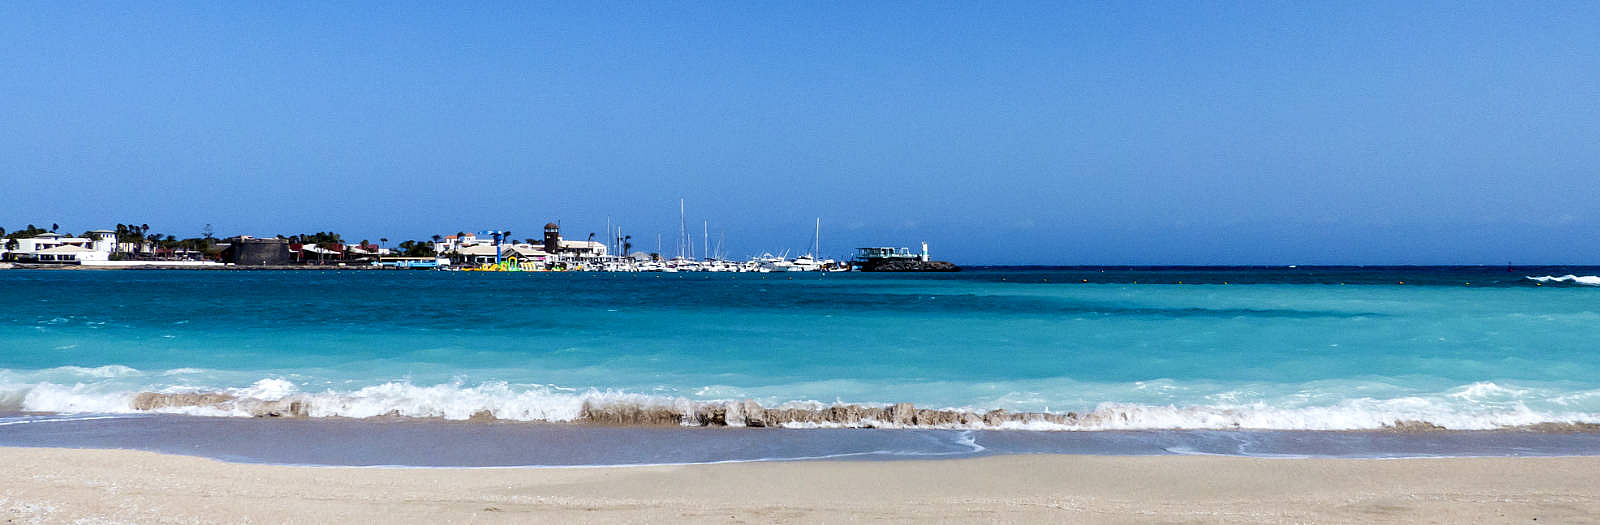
(809, 262)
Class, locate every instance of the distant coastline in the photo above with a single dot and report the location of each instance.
(136, 247)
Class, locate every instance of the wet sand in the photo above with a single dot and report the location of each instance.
(67, 485)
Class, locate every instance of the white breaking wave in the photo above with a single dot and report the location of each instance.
(1476, 406)
(1591, 280)
(102, 371)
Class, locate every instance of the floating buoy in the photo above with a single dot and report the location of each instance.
(1085, 280)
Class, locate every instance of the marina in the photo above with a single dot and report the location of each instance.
(489, 250)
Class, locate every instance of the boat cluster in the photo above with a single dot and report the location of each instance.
(766, 263)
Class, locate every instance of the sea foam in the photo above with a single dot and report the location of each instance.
(1591, 280)
(1475, 406)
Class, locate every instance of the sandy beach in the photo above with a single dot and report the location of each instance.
(95, 486)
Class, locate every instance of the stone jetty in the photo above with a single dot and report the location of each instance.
(744, 413)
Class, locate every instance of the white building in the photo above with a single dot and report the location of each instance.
(485, 253)
(57, 248)
(452, 243)
(471, 248)
(584, 248)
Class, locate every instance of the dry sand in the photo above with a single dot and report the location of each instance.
(65, 486)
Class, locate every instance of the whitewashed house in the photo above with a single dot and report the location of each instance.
(60, 249)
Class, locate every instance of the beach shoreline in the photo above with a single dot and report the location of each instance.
(49, 485)
(419, 442)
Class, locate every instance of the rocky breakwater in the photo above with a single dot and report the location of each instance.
(224, 403)
(910, 265)
(745, 413)
(748, 413)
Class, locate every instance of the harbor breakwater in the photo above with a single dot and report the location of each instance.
(750, 414)
(743, 413)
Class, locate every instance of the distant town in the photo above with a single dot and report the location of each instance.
(137, 246)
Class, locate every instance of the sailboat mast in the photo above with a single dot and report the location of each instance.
(683, 231)
(705, 238)
(816, 241)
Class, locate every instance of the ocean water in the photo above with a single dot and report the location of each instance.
(1121, 349)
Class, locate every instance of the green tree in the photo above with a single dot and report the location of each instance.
(417, 249)
(28, 232)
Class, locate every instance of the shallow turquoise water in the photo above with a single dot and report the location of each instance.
(1272, 348)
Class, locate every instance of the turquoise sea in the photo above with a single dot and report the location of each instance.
(1123, 349)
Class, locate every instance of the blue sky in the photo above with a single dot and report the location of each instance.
(1076, 133)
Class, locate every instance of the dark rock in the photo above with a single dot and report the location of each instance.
(629, 414)
(711, 415)
(156, 400)
(843, 414)
(1412, 425)
(910, 265)
(901, 414)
